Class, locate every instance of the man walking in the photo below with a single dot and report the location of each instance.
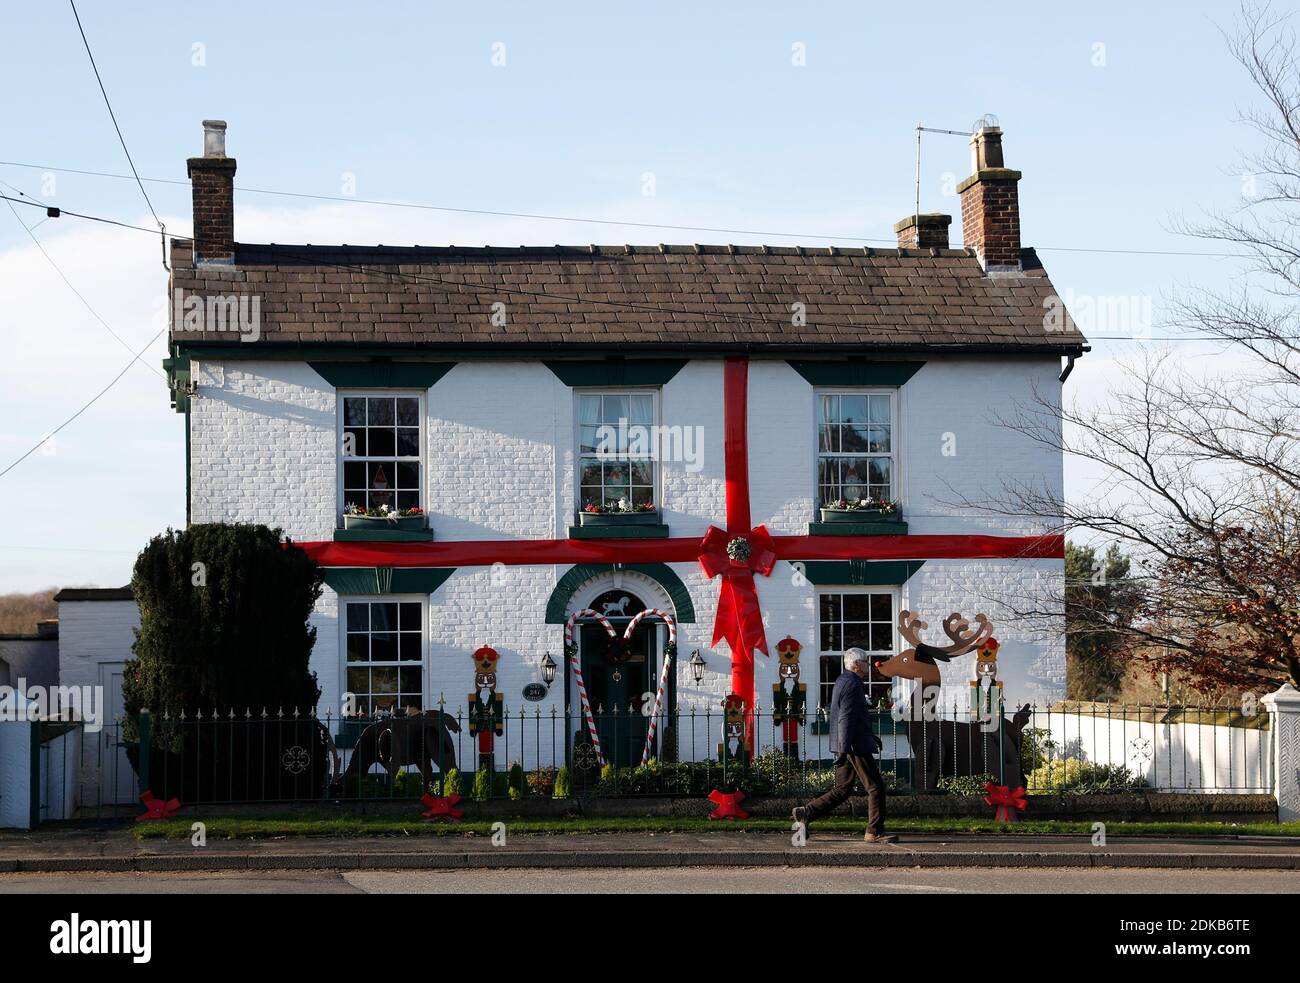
(854, 744)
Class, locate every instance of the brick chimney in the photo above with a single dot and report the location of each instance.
(990, 204)
(212, 179)
(929, 231)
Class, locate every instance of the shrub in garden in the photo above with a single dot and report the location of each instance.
(452, 784)
(1075, 777)
(224, 634)
(408, 784)
(483, 784)
(966, 784)
(541, 782)
(516, 787)
(562, 789)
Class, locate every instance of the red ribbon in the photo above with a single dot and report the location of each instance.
(1006, 801)
(441, 807)
(157, 810)
(728, 804)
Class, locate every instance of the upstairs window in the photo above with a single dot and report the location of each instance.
(616, 448)
(381, 450)
(856, 446)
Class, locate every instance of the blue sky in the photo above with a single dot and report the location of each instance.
(1120, 119)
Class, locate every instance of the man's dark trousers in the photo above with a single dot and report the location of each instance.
(849, 768)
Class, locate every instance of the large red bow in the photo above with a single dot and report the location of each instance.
(156, 809)
(441, 807)
(739, 619)
(1008, 802)
(728, 804)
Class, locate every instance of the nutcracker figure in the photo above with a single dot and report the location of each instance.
(789, 696)
(486, 718)
(733, 752)
(986, 688)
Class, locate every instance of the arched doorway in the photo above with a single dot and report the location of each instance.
(621, 675)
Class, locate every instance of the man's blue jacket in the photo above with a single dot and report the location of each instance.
(851, 731)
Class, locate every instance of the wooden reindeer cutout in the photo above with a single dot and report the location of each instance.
(987, 742)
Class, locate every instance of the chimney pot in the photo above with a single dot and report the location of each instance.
(986, 149)
(214, 138)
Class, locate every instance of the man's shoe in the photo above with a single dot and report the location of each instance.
(800, 814)
(880, 838)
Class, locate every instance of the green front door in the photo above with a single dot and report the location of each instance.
(619, 675)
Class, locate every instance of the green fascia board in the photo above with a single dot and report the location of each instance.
(661, 573)
(859, 573)
(600, 372)
(381, 374)
(382, 535)
(854, 371)
(857, 529)
(386, 580)
(618, 532)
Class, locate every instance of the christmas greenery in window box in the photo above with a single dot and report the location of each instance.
(620, 513)
(382, 517)
(861, 510)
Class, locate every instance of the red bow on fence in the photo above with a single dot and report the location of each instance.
(157, 809)
(728, 804)
(441, 807)
(1008, 802)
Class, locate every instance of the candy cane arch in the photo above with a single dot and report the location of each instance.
(572, 651)
(663, 673)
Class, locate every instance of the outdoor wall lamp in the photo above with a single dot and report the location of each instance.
(548, 669)
(697, 667)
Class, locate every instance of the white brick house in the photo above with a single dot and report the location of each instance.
(459, 381)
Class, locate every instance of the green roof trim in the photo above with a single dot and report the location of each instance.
(859, 573)
(661, 573)
(854, 371)
(382, 375)
(615, 371)
(386, 580)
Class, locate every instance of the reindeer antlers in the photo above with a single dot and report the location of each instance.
(910, 627)
(956, 627)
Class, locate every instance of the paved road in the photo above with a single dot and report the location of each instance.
(938, 880)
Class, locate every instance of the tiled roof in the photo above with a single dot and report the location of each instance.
(683, 297)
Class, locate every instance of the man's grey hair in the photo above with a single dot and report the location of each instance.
(854, 655)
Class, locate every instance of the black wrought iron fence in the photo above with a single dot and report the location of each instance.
(249, 757)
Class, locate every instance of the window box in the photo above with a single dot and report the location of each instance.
(860, 515)
(884, 526)
(620, 530)
(619, 518)
(379, 522)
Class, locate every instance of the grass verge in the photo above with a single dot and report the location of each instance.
(305, 824)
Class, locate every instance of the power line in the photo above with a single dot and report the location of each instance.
(602, 221)
(50, 259)
(578, 298)
(91, 402)
(162, 229)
